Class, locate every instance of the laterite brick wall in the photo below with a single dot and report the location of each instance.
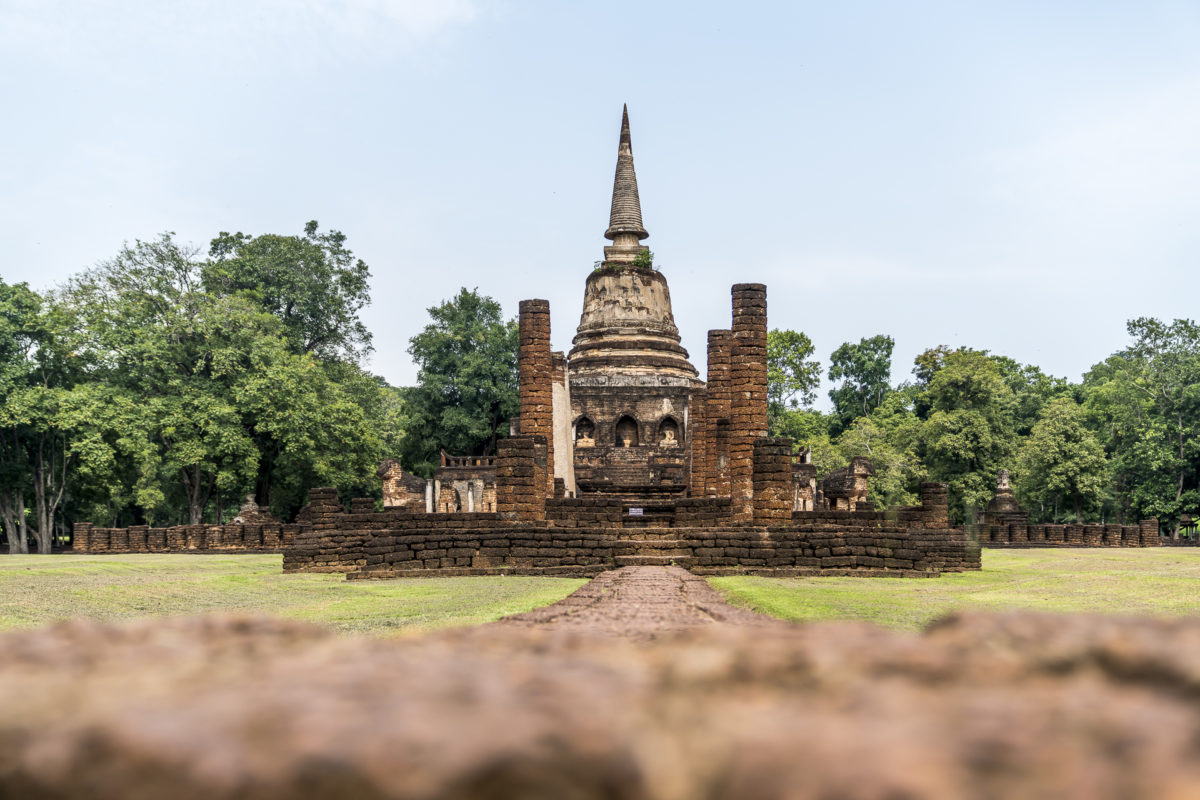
(270, 538)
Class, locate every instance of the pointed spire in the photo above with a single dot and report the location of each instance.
(625, 221)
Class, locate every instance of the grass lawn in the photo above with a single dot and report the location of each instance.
(1161, 581)
(35, 590)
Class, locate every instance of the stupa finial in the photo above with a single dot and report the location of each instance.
(625, 227)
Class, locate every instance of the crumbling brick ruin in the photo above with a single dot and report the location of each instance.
(845, 489)
(621, 455)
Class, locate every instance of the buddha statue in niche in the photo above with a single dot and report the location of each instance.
(584, 430)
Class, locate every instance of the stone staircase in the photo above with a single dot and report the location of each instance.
(654, 514)
(652, 547)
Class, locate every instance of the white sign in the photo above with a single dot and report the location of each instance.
(635, 512)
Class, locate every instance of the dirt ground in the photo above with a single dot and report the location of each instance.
(643, 684)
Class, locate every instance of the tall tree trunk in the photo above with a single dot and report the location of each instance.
(12, 510)
(43, 534)
(1078, 515)
(198, 491)
(49, 482)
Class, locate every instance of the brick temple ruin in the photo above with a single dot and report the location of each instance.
(622, 455)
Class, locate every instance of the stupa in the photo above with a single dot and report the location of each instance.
(631, 382)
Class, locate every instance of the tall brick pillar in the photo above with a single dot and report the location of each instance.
(720, 344)
(748, 392)
(1148, 529)
(534, 375)
(81, 537)
(521, 478)
(772, 481)
(697, 443)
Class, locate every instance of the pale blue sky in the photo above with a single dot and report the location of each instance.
(1016, 176)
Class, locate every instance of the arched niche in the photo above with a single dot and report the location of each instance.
(669, 433)
(585, 433)
(626, 432)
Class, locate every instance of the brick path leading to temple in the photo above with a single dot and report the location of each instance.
(642, 602)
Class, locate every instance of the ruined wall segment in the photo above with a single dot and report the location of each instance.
(534, 373)
(720, 350)
(563, 444)
(748, 391)
(520, 484)
(773, 494)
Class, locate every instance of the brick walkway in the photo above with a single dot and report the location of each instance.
(639, 602)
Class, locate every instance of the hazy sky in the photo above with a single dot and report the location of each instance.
(1016, 176)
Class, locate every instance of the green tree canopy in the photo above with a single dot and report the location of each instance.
(864, 370)
(229, 403)
(312, 283)
(1145, 403)
(793, 375)
(1062, 462)
(466, 389)
(968, 436)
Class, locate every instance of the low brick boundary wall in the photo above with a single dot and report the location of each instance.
(542, 550)
(1144, 534)
(272, 538)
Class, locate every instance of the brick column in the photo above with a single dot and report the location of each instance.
(748, 392)
(137, 538)
(1149, 532)
(519, 482)
(697, 438)
(81, 537)
(720, 343)
(534, 376)
(118, 540)
(272, 537)
(772, 480)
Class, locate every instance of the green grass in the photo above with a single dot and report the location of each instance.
(1159, 581)
(35, 590)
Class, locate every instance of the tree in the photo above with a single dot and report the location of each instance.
(43, 414)
(890, 437)
(1032, 390)
(864, 370)
(230, 402)
(1145, 403)
(1061, 461)
(793, 375)
(968, 436)
(20, 333)
(466, 389)
(312, 283)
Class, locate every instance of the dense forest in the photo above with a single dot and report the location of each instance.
(166, 384)
(1117, 447)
